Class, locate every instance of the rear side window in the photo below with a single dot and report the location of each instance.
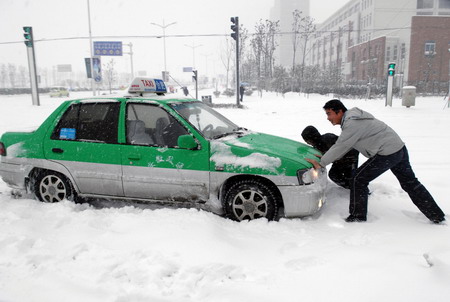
(94, 122)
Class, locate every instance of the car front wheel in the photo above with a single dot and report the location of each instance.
(250, 199)
(52, 186)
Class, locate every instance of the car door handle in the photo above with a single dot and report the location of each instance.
(57, 150)
(134, 156)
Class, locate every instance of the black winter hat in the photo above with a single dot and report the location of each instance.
(310, 134)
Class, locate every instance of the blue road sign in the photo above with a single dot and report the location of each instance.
(107, 48)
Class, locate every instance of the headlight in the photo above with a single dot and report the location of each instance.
(307, 176)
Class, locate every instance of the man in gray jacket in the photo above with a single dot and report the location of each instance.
(385, 150)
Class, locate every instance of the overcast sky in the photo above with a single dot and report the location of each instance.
(52, 19)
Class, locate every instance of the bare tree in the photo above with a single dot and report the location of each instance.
(296, 29)
(307, 28)
(263, 46)
(3, 75)
(22, 76)
(225, 57)
(110, 74)
(12, 74)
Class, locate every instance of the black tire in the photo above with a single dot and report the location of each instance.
(250, 199)
(52, 186)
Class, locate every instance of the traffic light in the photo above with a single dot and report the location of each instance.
(194, 77)
(28, 34)
(235, 27)
(391, 69)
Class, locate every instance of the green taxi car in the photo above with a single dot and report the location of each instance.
(149, 147)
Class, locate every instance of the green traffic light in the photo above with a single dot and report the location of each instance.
(28, 35)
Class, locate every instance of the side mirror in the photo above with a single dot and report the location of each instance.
(187, 142)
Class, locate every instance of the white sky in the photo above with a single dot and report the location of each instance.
(63, 18)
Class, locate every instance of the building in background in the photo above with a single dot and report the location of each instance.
(363, 36)
(282, 11)
(429, 58)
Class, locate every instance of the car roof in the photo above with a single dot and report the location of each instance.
(146, 99)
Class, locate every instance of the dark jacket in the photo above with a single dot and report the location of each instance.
(324, 142)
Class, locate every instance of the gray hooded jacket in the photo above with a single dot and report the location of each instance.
(362, 131)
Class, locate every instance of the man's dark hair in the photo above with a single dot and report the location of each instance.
(335, 105)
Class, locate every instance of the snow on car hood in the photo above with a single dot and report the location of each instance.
(222, 155)
(260, 151)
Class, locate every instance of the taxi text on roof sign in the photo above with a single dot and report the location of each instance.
(141, 85)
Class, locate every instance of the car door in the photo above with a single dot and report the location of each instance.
(154, 167)
(85, 141)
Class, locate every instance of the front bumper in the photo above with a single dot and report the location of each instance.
(304, 200)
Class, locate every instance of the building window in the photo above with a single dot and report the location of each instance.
(388, 53)
(430, 48)
(403, 51)
(425, 3)
(444, 4)
(395, 53)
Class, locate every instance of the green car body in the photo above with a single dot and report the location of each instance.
(164, 150)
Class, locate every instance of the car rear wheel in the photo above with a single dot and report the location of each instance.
(250, 199)
(52, 186)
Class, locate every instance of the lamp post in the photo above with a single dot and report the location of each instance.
(193, 46)
(164, 26)
(91, 52)
(131, 58)
(448, 92)
(206, 62)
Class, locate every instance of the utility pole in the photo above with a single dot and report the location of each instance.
(131, 58)
(193, 52)
(29, 42)
(235, 36)
(164, 26)
(90, 47)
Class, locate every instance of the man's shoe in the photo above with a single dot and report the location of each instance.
(438, 220)
(353, 218)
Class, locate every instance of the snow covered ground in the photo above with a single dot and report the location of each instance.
(71, 252)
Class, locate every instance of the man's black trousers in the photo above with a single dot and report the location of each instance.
(399, 164)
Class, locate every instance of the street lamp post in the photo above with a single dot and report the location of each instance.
(193, 46)
(448, 92)
(131, 58)
(91, 52)
(206, 62)
(164, 26)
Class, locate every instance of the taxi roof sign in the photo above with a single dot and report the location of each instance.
(147, 85)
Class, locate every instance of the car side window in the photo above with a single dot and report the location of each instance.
(93, 122)
(151, 125)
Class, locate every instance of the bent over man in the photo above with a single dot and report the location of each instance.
(384, 150)
(341, 171)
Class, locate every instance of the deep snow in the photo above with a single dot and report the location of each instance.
(71, 252)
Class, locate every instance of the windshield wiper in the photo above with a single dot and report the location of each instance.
(234, 131)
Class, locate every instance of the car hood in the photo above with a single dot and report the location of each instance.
(260, 153)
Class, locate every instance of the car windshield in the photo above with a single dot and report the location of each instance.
(206, 120)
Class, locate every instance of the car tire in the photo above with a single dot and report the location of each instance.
(51, 186)
(250, 199)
